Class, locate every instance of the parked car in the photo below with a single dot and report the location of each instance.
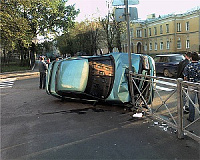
(102, 77)
(167, 64)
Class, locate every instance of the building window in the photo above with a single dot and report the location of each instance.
(139, 33)
(149, 31)
(145, 47)
(178, 27)
(161, 29)
(161, 45)
(155, 30)
(156, 46)
(187, 43)
(187, 26)
(132, 47)
(150, 46)
(122, 48)
(126, 48)
(179, 44)
(123, 36)
(131, 33)
(167, 28)
(167, 45)
(145, 32)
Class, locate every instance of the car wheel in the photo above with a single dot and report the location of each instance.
(167, 73)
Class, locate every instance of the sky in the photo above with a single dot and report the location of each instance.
(99, 8)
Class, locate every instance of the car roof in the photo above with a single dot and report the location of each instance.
(164, 55)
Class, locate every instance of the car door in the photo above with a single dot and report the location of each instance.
(159, 64)
(163, 64)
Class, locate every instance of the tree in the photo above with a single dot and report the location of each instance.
(65, 44)
(86, 37)
(50, 16)
(32, 18)
(15, 29)
(109, 32)
(119, 28)
(113, 30)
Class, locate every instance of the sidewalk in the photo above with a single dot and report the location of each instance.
(18, 74)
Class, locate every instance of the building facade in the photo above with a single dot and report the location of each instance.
(173, 33)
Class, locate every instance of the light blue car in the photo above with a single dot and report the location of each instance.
(102, 77)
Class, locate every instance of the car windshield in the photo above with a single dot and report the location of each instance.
(176, 58)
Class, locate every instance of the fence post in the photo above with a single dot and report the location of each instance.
(131, 88)
(180, 108)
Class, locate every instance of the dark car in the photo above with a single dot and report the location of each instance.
(167, 64)
(99, 77)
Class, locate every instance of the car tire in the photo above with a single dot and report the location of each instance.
(167, 73)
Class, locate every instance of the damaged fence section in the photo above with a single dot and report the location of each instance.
(173, 101)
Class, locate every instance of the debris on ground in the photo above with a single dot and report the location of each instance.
(138, 115)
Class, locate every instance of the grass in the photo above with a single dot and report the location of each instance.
(11, 68)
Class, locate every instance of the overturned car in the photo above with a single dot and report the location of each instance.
(102, 77)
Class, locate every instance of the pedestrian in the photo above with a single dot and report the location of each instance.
(42, 70)
(183, 64)
(192, 74)
(180, 70)
(48, 62)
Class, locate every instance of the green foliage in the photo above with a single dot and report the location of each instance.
(113, 30)
(50, 16)
(14, 27)
(85, 37)
(22, 20)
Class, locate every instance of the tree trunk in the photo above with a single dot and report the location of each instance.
(32, 55)
(4, 56)
(21, 53)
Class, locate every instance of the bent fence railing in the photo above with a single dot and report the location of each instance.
(165, 102)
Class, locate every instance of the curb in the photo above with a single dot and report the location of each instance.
(18, 74)
(24, 71)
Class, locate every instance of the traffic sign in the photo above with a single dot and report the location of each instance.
(120, 14)
(121, 2)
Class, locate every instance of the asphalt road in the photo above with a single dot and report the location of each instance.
(36, 126)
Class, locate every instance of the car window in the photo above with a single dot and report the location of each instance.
(176, 58)
(163, 59)
(157, 59)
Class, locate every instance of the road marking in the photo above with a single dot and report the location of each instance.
(164, 88)
(7, 83)
(167, 85)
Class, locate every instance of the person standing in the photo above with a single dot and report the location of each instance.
(42, 70)
(192, 74)
(180, 70)
(183, 64)
(48, 61)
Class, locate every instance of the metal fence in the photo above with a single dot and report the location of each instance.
(166, 101)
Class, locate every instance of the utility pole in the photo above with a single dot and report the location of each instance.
(127, 19)
(127, 16)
